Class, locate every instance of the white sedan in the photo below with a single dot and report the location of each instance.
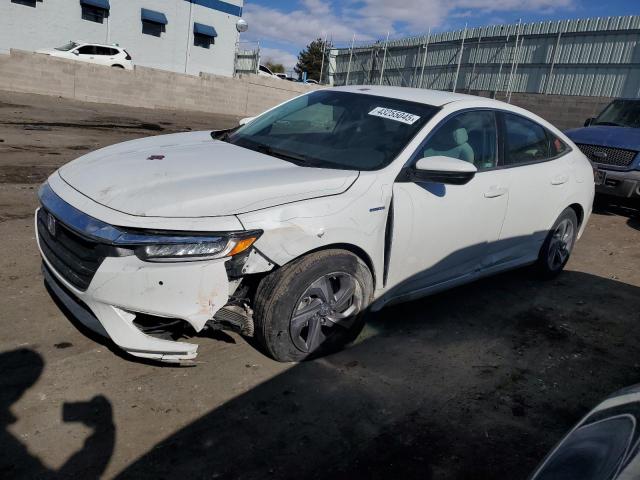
(290, 227)
(107, 55)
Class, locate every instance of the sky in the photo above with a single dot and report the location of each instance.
(284, 27)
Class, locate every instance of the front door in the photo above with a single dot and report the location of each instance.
(443, 233)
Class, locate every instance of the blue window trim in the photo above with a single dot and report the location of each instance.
(219, 5)
(104, 4)
(153, 16)
(206, 30)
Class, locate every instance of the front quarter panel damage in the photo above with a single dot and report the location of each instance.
(356, 218)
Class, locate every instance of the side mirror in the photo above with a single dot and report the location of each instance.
(589, 121)
(244, 121)
(442, 169)
(76, 52)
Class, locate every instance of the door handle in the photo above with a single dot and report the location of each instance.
(560, 180)
(495, 192)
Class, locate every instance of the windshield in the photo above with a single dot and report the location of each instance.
(66, 47)
(621, 113)
(333, 129)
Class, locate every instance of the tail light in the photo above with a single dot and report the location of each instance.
(128, 57)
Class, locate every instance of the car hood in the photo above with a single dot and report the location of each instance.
(606, 136)
(192, 175)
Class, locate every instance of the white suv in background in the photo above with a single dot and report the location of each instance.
(108, 55)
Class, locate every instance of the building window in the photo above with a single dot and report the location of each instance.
(203, 41)
(153, 23)
(93, 14)
(27, 3)
(152, 28)
(204, 35)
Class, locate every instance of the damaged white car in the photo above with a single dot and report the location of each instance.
(291, 226)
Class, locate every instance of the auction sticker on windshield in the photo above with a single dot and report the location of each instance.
(396, 115)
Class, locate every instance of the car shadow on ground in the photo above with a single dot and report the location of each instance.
(475, 383)
(609, 205)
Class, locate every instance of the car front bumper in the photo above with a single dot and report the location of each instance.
(124, 287)
(620, 184)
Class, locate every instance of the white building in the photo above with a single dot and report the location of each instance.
(189, 36)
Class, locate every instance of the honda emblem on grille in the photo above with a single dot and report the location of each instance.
(600, 155)
(51, 224)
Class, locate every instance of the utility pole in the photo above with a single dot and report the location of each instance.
(324, 46)
(553, 61)
(502, 58)
(475, 61)
(353, 41)
(455, 82)
(384, 58)
(513, 61)
(515, 70)
(424, 59)
(189, 27)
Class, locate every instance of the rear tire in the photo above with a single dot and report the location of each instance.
(117, 66)
(312, 306)
(558, 245)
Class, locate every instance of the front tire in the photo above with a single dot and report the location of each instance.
(558, 245)
(313, 306)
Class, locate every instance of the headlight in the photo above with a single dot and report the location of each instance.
(192, 248)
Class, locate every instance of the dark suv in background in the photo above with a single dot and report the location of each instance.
(612, 143)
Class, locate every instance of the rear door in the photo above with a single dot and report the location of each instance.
(104, 55)
(539, 176)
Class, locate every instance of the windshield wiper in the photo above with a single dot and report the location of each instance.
(223, 135)
(288, 156)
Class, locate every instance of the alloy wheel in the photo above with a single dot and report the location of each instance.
(330, 304)
(561, 244)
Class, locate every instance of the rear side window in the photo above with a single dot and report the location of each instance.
(525, 141)
(104, 51)
(556, 146)
(87, 50)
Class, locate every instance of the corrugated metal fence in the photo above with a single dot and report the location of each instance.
(592, 57)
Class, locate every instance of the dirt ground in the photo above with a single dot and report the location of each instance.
(476, 383)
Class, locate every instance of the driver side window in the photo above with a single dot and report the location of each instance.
(470, 136)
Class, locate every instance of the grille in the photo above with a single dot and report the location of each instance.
(617, 157)
(74, 257)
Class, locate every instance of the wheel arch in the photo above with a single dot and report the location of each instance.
(579, 210)
(356, 250)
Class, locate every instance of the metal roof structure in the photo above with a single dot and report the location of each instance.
(592, 57)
